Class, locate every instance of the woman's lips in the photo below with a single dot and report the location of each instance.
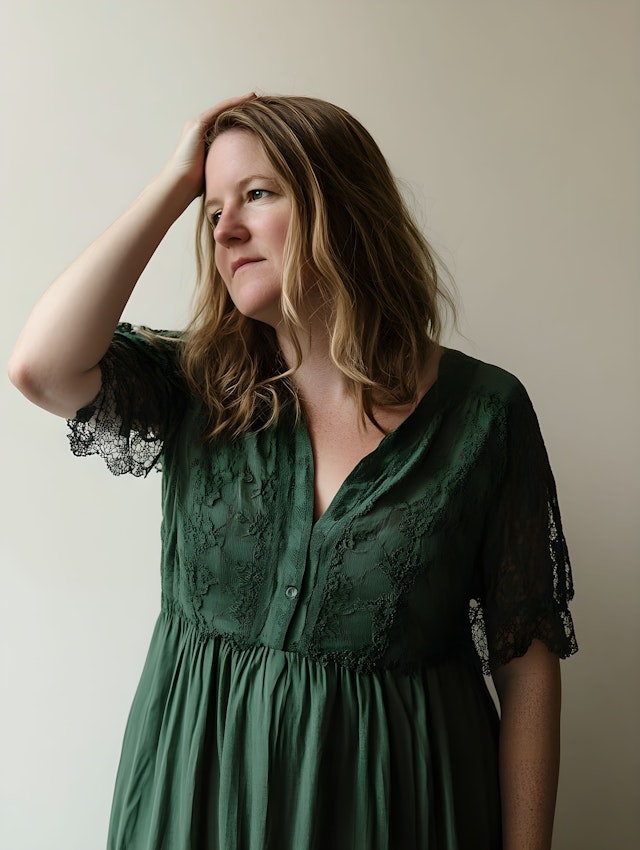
(243, 261)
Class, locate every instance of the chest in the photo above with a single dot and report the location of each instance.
(337, 446)
(339, 441)
(243, 556)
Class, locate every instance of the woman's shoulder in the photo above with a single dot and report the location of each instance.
(463, 372)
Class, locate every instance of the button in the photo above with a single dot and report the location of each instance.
(291, 592)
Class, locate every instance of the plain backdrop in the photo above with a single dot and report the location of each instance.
(515, 129)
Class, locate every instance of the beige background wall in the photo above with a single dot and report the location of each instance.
(516, 127)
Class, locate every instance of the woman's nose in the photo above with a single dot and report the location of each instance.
(230, 227)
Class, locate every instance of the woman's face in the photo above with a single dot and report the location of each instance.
(250, 213)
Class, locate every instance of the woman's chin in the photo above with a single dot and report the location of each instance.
(268, 314)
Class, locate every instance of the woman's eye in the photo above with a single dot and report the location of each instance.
(253, 195)
(258, 194)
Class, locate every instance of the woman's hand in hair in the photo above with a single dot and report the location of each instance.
(187, 162)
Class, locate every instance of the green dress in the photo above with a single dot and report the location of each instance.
(319, 685)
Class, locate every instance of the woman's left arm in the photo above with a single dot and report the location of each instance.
(529, 693)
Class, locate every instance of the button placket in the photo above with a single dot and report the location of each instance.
(294, 469)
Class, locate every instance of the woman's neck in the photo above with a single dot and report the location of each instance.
(317, 379)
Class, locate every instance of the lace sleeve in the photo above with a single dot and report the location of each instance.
(139, 405)
(526, 581)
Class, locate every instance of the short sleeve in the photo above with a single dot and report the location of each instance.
(140, 403)
(525, 581)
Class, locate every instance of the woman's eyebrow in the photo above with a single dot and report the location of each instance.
(213, 201)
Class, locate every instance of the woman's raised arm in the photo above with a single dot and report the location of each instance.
(55, 361)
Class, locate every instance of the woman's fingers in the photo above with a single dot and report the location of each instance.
(188, 158)
(208, 116)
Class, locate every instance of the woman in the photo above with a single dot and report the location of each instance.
(356, 521)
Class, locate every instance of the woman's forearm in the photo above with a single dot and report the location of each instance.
(55, 360)
(529, 691)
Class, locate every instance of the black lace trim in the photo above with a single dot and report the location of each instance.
(139, 405)
(528, 582)
(553, 627)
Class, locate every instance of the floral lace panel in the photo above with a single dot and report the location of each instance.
(226, 530)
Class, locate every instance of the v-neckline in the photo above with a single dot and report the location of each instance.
(391, 437)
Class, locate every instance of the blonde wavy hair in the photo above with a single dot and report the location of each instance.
(352, 234)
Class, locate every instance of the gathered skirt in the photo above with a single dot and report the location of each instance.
(263, 749)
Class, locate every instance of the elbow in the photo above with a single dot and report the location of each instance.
(24, 376)
(41, 385)
(32, 379)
